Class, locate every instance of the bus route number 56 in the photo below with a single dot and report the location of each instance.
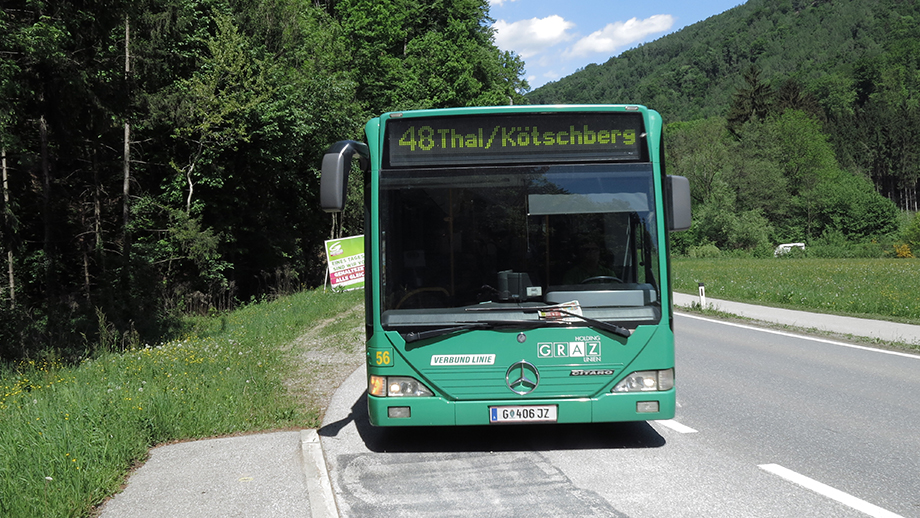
(382, 358)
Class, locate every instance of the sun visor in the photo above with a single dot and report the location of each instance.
(594, 203)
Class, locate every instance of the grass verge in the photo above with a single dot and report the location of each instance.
(883, 289)
(69, 434)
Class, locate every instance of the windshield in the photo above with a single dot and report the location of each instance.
(488, 244)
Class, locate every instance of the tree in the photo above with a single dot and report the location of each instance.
(428, 54)
(778, 164)
(750, 102)
(911, 233)
(7, 213)
(699, 151)
(718, 222)
(849, 205)
(8, 71)
(792, 95)
(210, 109)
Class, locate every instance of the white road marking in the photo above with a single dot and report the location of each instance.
(825, 490)
(674, 425)
(804, 337)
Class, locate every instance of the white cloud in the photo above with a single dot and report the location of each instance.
(619, 34)
(530, 37)
(499, 3)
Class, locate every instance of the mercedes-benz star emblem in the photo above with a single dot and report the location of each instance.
(522, 377)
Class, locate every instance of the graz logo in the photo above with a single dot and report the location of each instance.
(522, 377)
(592, 372)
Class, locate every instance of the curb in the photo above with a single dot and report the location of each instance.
(319, 488)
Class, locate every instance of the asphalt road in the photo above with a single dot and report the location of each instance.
(768, 425)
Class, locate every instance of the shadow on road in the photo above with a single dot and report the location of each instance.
(496, 438)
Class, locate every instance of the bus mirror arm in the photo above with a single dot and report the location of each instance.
(336, 166)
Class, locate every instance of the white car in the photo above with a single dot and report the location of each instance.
(786, 247)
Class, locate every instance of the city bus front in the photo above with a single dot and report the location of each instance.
(519, 279)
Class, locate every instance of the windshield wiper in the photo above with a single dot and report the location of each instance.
(414, 336)
(613, 328)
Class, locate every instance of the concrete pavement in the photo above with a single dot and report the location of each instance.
(279, 474)
(284, 474)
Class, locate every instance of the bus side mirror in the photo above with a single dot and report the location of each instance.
(679, 188)
(336, 165)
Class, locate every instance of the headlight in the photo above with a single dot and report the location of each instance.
(397, 386)
(646, 381)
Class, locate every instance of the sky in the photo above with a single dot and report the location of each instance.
(557, 37)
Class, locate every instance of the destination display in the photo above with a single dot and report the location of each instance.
(513, 139)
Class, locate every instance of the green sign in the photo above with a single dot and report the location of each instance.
(514, 139)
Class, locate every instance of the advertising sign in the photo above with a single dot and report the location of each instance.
(346, 262)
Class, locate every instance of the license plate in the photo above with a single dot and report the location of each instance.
(523, 414)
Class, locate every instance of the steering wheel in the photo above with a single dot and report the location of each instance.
(414, 293)
(601, 278)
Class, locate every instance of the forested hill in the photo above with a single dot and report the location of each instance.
(829, 46)
(794, 120)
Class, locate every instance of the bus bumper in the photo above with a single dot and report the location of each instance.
(434, 411)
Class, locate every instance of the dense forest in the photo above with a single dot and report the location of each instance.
(795, 120)
(160, 156)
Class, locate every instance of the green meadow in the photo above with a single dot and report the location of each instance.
(70, 433)
(887, 289)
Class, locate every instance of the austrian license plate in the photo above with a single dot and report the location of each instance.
(523, 414)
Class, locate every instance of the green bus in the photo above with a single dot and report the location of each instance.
(516, 264)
